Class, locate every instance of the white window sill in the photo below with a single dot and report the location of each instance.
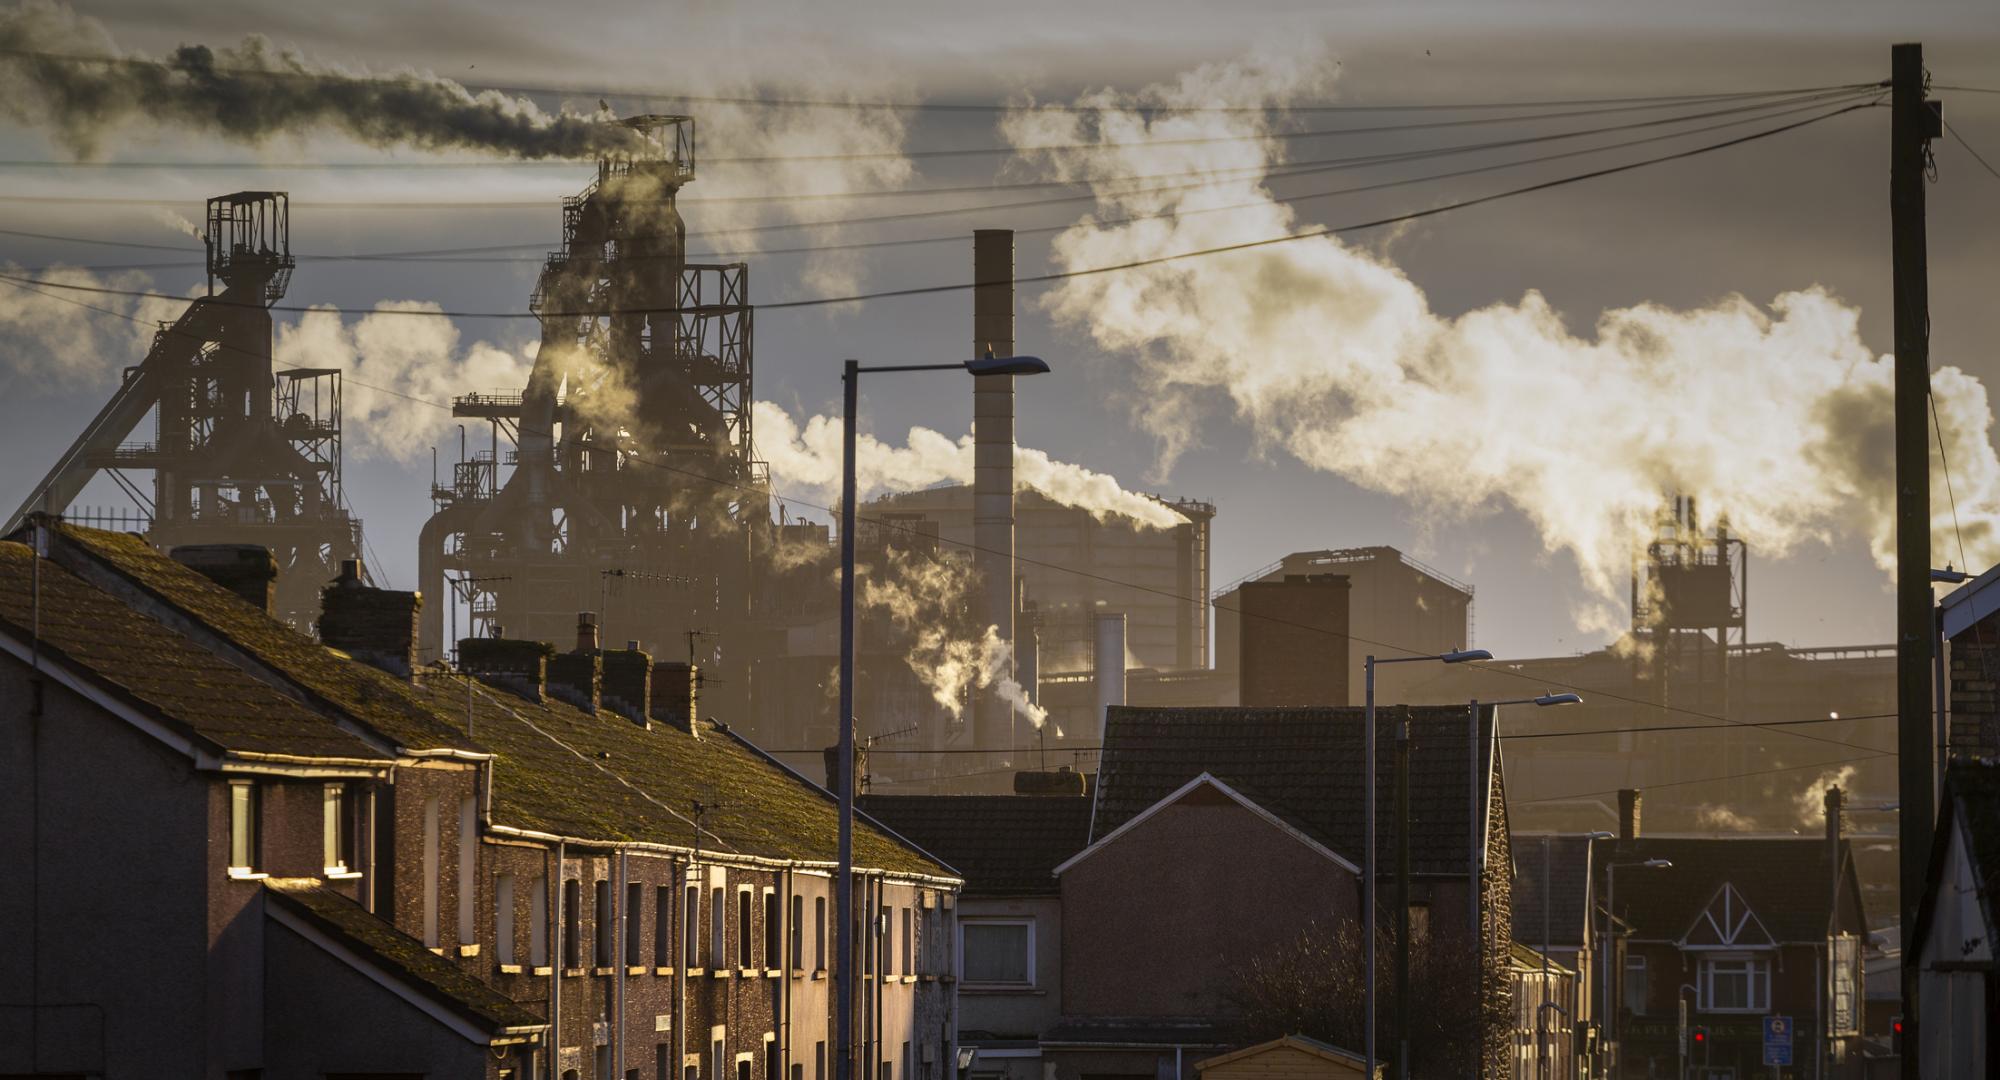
(340, 874)
(468, 950)
(510, 969)
(244, 873)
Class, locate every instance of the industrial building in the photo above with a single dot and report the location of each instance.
(238, 451)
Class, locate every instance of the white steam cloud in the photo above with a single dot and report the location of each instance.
(922, 597)
(403, 371)
(808, 456)
(1776, 415)
(1811, 803)
(54, 339)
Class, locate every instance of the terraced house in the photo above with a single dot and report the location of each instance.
(234, 851)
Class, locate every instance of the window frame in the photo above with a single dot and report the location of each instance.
(336, 829)
(1635, 964)
(1756, 971)
(246, 804)
(504, 952)
(1026, 921)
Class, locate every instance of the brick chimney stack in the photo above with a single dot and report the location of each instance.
(578, 677)
(677, 695)
(628, 683)
(248, 570)
(375, 626)
(1628, 814)
(586, 631)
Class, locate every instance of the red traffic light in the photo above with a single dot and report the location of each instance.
(1700, 1035)
(1899, 1027)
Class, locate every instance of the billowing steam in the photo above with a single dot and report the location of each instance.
(56, 339)
(1777, 416)
(1718, 818)
(925, 598)
(1811, 803)
(402, 373)
(253, 92)
(809, 457)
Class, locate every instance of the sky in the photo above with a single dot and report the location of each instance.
(1784, 214)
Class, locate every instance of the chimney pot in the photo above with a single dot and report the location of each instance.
(1628, 814)
(350, 572)
(586, 631)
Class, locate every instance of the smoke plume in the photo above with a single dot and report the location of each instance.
(925, 598)
(253, 92)
(1811, 803)
(402, 373)
(808, 456)
(1777, 416)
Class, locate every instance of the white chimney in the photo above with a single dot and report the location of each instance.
(993, 466)
(1107, 663)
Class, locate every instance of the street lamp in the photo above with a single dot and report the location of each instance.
(1610, 913)
(1457, 656)
(844, 887)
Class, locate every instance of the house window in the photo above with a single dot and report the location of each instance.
(431, 873)
(244, 803)
(662, 1055)
(743, 928)
(538, 922)
(1635, 985)
(1735, 984)
(819, 933)
(606, 926)
(635, 923)
(798, 933)
(663, 931)
(908, 937)
(503, 918)
(336, 830)
(572, 902)
(774, 934)
(718, 955)
(743, 1068)
(468, 868)
(997, 952)
(774, 1063)
(819, 1061)
(690, 924)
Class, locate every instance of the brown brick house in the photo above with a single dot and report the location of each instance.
(241, 852)
(1220, 834)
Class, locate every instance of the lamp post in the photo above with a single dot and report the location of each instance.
(1610, 913)
(844, 885)
(1458, 656)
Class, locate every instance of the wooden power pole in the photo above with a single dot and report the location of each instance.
(1913, 122)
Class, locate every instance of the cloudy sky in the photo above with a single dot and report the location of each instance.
(1807, 209)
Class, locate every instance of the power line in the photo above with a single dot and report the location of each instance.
(654, 94)
(1706, 779)
(1983, 163)
(1055, 276)
(1279, 173)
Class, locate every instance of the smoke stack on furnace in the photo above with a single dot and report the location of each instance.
(993, 467)
(1107, 663)
(1628, 814)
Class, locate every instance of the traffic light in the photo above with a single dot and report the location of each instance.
(1896, 1035)
(1700, 1037)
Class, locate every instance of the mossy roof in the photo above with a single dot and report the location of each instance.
(369, 696)
(174, 681)
(563, 771)
(400, 955)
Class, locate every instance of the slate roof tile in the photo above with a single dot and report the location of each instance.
(1004, 845)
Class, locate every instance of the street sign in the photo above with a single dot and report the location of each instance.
(1777, 1040)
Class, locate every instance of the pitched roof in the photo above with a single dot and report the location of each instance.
(1004, 845)
(559, 770)
(1772, 876)
(1303, 765)
(1301, 1043)
(1569, 881)
(1971, 805)
(367, 695)
(401, 956)
(141, 662)
(1206, 788)
(1529, 958)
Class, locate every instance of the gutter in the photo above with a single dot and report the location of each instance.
(758, 861)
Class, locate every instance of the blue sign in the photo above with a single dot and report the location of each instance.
(1777, 1040)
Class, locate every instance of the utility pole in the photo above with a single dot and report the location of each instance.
(1913, 122)
(1403, 896)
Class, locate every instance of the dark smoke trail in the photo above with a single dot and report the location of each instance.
(254, 92)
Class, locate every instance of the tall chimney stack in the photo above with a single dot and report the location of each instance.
(1107, 663)
(1628, 813)
(993, 466)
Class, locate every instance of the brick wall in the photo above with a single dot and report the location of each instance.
(1975, 690)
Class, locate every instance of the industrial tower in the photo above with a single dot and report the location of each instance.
(622, 479)
(241, 453)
